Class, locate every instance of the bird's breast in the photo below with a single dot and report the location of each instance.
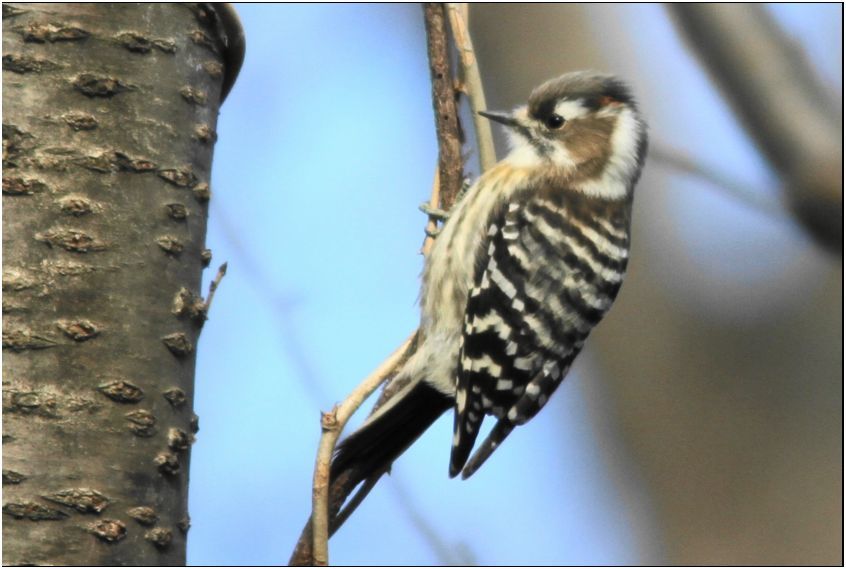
(461, 245)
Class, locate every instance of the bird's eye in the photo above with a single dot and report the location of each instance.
(554, 121)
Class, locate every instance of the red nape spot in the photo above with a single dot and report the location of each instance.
(606, 100)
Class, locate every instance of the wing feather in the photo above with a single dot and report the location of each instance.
(548, 275)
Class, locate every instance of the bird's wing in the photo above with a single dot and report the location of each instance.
(550, 272)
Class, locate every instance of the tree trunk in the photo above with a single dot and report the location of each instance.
(108, 130)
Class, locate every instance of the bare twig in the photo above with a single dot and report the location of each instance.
(784, 106)
(213, 286)
(339, 490)
(472, 82)
(332, 424)
(450, 163)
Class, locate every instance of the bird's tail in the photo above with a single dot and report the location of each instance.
(370, 450)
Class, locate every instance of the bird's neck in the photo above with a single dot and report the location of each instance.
(602, 178)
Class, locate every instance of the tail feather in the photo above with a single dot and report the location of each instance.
(372, 448)
(501, 430)
(468, 422)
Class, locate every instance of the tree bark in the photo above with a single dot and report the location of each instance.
(108, 130)
(450, 161)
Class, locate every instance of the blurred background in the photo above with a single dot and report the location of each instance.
(701, 425)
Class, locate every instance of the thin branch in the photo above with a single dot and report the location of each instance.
(332, 424)
(450, 163)
(472, 82)
(775, 93)
(213, 286)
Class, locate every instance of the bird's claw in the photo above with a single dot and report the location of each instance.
(433, 232)
(434, 212)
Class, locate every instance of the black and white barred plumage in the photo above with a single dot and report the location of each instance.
(529, 262)
(551, 273)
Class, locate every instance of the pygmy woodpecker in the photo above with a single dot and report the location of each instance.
(529, 261)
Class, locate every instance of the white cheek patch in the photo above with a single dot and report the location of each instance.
(623, 160)
(570, 109)
(624, 141)
(562, 158)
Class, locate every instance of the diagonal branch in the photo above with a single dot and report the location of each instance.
(783, 105)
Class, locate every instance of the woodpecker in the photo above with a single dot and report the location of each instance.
(528, 262)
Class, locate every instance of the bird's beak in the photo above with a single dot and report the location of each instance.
(501, 118)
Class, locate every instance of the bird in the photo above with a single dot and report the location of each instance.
(527, 263)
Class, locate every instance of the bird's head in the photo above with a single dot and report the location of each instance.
(583, 128)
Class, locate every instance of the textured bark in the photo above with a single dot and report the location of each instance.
(108, 127)
(450, 161)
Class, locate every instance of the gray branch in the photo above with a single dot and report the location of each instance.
(783, 105)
